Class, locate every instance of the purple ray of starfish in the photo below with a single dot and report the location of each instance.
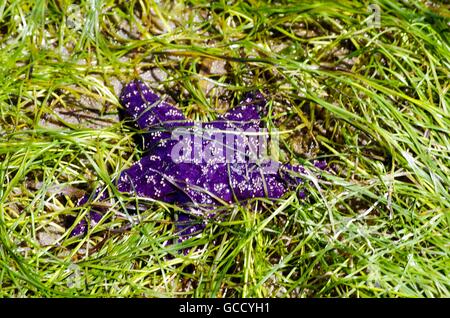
(198, 183)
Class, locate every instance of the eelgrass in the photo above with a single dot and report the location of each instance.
(370, 99)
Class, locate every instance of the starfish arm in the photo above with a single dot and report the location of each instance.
(249, 109)
(151, 114)
(79, 229)
(147, 108)
(291, 174)
(187, 226)
(147, 178)
(93, 217)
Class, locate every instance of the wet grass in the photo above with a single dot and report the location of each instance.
(370, 99)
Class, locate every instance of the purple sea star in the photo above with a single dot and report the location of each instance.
(173, 171)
